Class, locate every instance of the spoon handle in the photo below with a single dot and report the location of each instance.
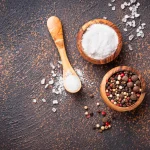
(55, 28)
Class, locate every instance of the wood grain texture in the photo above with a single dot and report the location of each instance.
(55, 28)
(83, 30)
(26, 50)
(103, 89)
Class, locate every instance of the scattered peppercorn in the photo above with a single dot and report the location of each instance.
(85, 107)
(103, 113)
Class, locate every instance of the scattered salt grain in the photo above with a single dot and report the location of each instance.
(113, 8)
(131, 37)
(125, 29)
(104, 17)
(43, 100)
(55, 102)
(137, 15)
(125, 4)
(60, 62)
(43, 81)
(124, 20)
(130, 47)
(54, 75)
(46, 86)
(34, 101)
(51, 64)
(122, 6)
(54, 109)
(109, 4)
(51, 82)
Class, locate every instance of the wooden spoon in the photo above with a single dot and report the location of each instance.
(55, 28)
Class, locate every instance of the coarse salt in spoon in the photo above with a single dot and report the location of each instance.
(71, 80)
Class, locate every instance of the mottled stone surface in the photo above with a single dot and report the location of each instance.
(26, 49)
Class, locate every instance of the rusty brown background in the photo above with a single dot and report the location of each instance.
(26, 49)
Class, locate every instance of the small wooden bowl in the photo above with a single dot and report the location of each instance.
(79, 41)
(103, 90)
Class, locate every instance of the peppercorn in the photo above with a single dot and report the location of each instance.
(102, 128)
(133, 97)
(85, 107)
(130, 84)
(105, 119)
(138, 83)
(125, 78)
(134, 78)
(136, 89)
(103, 113)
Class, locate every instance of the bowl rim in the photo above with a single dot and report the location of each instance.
(84, 28)
(103, 90)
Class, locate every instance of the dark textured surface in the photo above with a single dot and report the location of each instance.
(26, 49)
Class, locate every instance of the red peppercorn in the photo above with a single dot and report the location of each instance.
(103, 113)
(107, 94)
(122, 75)
(129, 80)
(88, 116)
(107, 124)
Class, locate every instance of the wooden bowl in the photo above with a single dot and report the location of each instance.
(79, 41)
(103, 90)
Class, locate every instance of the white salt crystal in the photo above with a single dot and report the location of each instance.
(128, 4)
(124, 19)
(54, 75)
(34, 101)
(109, 4)
(130, 47)
(54, 109)
(131, 37)
(133, 23)
(46, 86)
(55, 102)
(43, 100)
(142, 35)
(126, 16)
(143, 24)
(122, 6)
(130, 8)
(53, 90)
(138, 4)
(125, 3)
(140, 27)
(125, 29)
(60, 62)
(43, 81)
(113, 8)
(51, 82)
(51, 64)
(138, 34)
(137, 15)
(129, 23)
(104, 17)
(132, 1)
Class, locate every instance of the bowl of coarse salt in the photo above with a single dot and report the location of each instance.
(99, 41)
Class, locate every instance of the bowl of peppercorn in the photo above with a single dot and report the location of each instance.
(123, 88)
